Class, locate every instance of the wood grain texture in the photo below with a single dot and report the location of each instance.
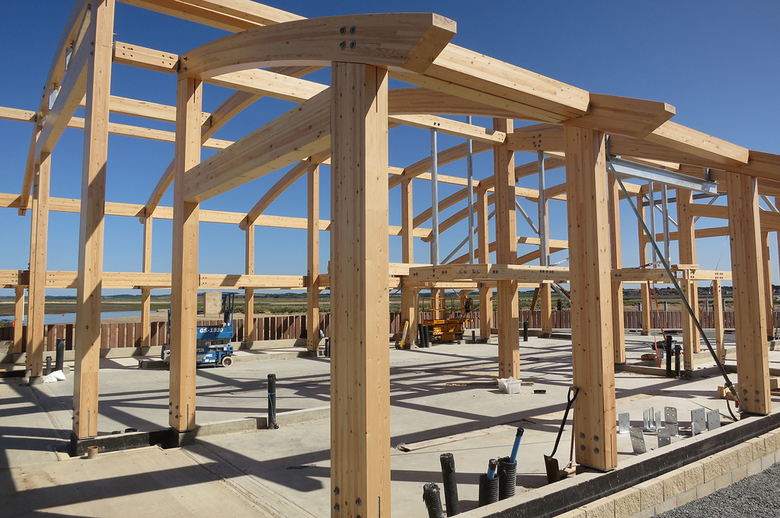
(749, 302)
(360, 371)
(313, 257)
(591, 309)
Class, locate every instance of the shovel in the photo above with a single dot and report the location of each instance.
(550, 462)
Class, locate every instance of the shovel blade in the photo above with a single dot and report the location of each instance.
(553, 471)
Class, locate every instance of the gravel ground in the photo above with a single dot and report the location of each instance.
(756, 497)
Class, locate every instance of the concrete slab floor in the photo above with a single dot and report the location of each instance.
(436, 392)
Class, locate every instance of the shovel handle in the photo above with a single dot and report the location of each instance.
(569, 402)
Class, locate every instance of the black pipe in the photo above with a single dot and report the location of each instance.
(677, 350)
(48, 365)
(525, 331)
(507, 478)
(272, 402)
(426, 337)
(473, 336)
(432, 499)
(669, 356)
(450, 484)
(488, 490)
(60, 357)
(327, 347)
(422, 334)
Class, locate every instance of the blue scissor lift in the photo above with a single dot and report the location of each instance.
(213, 342)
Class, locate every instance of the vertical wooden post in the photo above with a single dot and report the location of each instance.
(360, 359)
(93, 196)
(545, 289)
(591, 314)
(618, 319)
(18, 319)
(184, 270)
(313, 261)
(506, 253)
(408, 294)
(687, 246)
(249, 293)
(645, 286)
(483, 255)
(146, 293)
(717, 302)
(749, 301)
(770, 310)
(38, 247)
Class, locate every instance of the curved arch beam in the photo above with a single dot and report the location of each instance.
(410, 41)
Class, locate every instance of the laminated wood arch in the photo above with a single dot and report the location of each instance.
(410, 41)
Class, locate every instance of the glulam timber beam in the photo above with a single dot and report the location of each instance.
(423, 101)
(291, 137)
(749, 297)
(237, 281)
(623, 115)
(360, 360)
(184, 259)
(98, 42)
(464, 73)
(481, 272)
(319, 41)
(591, 311)
(234, 16)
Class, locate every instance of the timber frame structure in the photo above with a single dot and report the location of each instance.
(345, 126)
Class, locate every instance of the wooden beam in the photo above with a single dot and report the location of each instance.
(313, 258)
(451, 127)
(591, 311)
(184, 269)
(488, 273)
(18, 319)
(146, 293)
(473, 76)
(38, 251)
(749, 302)
(623, 115)
(230, 15)
(422, 101)
(360, 364)
(483, 256)
(686, 238)
(618, 322)
(506, 253)
(318, 41)
(408, 294)
(291, 137)
(93, 196)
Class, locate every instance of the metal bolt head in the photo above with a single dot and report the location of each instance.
(358, 502)
(343, 45)
(336, 507)
(352, 29)
(352, 44)
(343, 30)
(336, 490)
(595, 450)
(596, 438)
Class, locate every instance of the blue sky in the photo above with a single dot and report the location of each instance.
(715, 61)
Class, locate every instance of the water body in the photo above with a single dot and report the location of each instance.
(69, 318)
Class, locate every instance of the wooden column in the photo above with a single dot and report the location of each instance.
(408, 294)
(749, 301)
(483, 256)
(313, 260)
(146, 293)
(93, 196)
(546, 291)
(38, 245)
(184, 270)
(717, 302)
(770, 310)
(359, 268)
(506, 253)
(18, 319)
(591, 313)
(618, 319)
(687, 246)
(645, 286)
(249, 293)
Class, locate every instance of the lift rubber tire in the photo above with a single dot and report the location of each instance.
(227, 361)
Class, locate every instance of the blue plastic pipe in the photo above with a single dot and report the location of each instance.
(492, 466)
(513, 457)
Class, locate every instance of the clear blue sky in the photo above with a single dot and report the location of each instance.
(715, 61)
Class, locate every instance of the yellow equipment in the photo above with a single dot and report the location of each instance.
(444, 329)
